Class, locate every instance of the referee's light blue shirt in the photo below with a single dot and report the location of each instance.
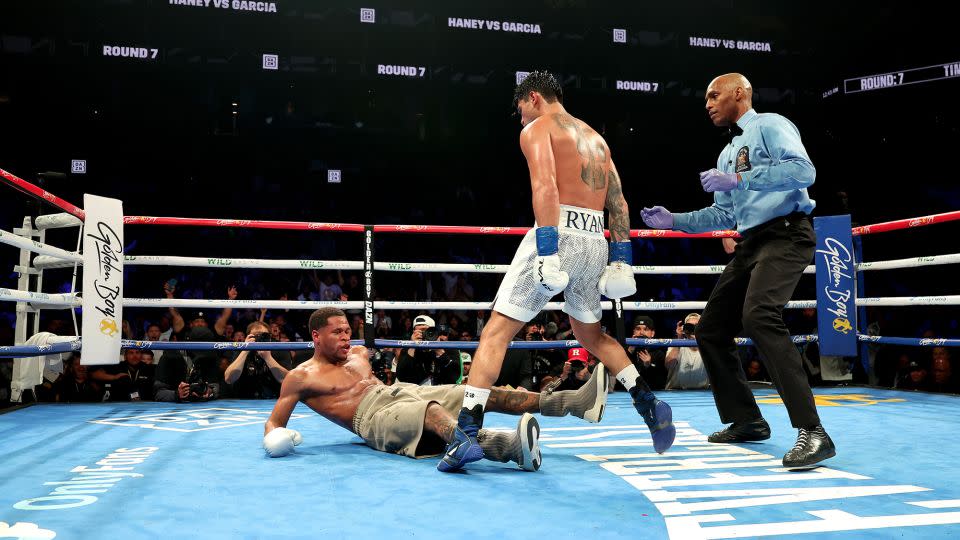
(775, 171)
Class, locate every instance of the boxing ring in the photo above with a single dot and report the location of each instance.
(146, 470)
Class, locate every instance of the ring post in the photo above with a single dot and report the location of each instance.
(836, 288)
(368, 290)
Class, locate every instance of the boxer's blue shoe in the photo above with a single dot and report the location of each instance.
(658, 417)
(464, 447)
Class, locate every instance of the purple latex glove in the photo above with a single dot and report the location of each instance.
(714, 180)
(657, 217)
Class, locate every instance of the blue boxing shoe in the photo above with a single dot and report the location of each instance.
(464, 447)
(658, 417)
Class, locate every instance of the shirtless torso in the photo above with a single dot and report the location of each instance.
(334, 390)
(332, 383)
(559, 145)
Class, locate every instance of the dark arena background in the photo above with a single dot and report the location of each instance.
(401, 114)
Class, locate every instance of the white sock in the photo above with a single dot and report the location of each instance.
(473, 396)
(628, 376)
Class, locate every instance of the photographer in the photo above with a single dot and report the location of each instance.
(428, 367)
(684, 364)
(650, 362)
(576, 370)
(517, 370)
(188, 377)
(257, 374)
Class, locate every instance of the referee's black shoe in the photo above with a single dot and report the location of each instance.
(813, 446)
(756, 430)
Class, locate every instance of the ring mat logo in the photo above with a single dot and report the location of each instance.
(194, 420)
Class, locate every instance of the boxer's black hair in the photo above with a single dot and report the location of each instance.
(319, 317)
(542, 82)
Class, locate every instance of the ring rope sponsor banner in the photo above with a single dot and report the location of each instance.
(836, 288)
(102, 280)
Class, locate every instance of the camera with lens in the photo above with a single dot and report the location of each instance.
(430, 334)
(263, 337)
(689, 329)
(200, 387)
(381, 363)
(577, 365)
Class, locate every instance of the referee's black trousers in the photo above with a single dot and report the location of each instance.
(749, 297)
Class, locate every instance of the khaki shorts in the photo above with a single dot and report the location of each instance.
(390, 418)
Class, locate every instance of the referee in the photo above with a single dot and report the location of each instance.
(760, 188)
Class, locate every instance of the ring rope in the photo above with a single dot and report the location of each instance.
(39, 247)
(75, 344)
(45, 262)
(73, 209)
(70, 300)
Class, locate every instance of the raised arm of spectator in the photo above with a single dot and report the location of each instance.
(221, 323)
(175, 318)
(235, 369)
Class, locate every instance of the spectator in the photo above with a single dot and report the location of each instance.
(650, 362)
(576, 370)
(755, 371)
(517, 370)
(351, 288)
(427, 366)
(329, 291)
(465, 361)
(382, 320)
(146, 357)
(914, 377)
(256, 374)
(942, 371)
(154, 333)
(194, 377)
(130, 380)
(684, 364)
(75, 386)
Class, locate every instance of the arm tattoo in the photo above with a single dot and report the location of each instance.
(619, 224)
(513, 401)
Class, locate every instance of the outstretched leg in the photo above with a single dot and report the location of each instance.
(588, 402)
(656, 414)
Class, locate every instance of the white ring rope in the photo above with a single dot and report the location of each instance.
(241, 304)
(51, 301)
(912, 262)
(50, 262)
(38, 247)
(68, 300)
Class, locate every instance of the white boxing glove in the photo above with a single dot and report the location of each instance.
(294, 436)
(279, 442)
(617, 280)
(549, 277)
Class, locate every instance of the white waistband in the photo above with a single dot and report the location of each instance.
(576, 220)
